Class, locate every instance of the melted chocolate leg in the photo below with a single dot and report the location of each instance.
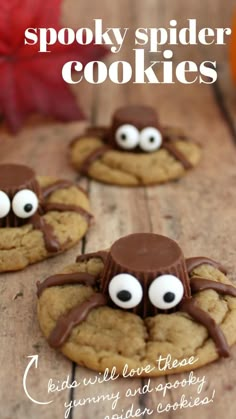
(177, 154)
(82, 278)
(194, 262)
(51, 242)
(201, 284)
(201, 316)
(92, 157)
(75, 316)
(56, 206)
(102, 254)
(58, 184)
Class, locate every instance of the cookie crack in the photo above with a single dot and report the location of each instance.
(122, 170)
(152, 162)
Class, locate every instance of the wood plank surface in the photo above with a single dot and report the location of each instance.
(197, 211)
(20, 335)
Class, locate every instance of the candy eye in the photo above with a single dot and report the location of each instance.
(5, 204)
(127, 136)
(25, 203)
(166, 292)
(125, 291)
(150, 139)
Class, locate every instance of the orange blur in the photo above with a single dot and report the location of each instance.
(233, 49)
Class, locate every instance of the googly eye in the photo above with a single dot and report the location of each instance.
(127, 137)
(150, 139)
(125, 291)
(166, 292)
(25, 203)
(5, 204)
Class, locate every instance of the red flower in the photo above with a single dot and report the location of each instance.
(30, 81)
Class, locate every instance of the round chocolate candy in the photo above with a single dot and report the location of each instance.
(127, 125)
(19, 194)
(145, 273)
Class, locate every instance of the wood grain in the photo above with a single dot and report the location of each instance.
(198, 211)
(200, 217)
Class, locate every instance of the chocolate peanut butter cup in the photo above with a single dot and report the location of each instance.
(145, 256)
(15, 178)
(137, 116)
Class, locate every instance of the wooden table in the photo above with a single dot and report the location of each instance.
(198, 211)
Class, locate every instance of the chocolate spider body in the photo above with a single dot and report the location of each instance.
(23, 201)
(20, 195)
(135, 129)
(129, 125)
(141, 259)
(148, 275)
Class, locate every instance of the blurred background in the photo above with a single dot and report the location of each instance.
(154, 13)
(31, 82)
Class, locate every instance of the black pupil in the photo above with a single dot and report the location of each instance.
(151, 139)
(169, 297)
(28, 207)
(123, 137)
(124, 295)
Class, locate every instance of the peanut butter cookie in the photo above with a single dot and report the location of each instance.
(135, 150)
(39, 217)
(140, 300)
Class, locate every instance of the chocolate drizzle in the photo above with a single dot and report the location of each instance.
(74, 317)
(92, 157)
(145, 256)
(202, 317)
(56, 206)
(102, 254)
(82, 278)
(140, 117)
(14, 178)
(194, 262)
(59, 184)
(51, 242)
(177, 154)
(100, 151)
(201, 284)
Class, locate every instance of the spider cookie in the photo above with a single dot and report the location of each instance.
(39, 217)
(140, 300)
(135, 150)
